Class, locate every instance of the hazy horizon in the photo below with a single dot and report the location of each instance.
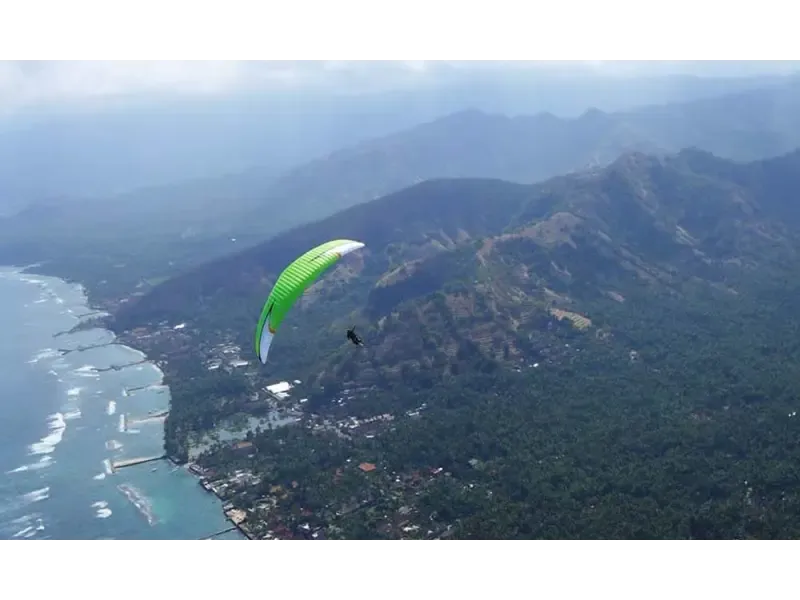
(36, 84)
(95, 128)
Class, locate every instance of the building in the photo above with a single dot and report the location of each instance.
(279, 390)
(242, 446)
(280, 387)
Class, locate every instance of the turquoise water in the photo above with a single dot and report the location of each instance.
(60, 426)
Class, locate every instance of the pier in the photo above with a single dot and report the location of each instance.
(130, 462)
(151, 417)
(213, 535)
(120, 367)
(83, 325)
(65, 351)
(98, 313)
(137, 388)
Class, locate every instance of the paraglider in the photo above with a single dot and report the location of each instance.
(292, 283)
(353, 337)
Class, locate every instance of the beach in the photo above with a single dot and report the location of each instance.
(72, 405)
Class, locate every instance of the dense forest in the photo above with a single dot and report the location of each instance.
(693, 436)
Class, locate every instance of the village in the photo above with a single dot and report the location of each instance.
(259, 511)
(389, 497)
(357, 495)
(225, 457)
(262, 517)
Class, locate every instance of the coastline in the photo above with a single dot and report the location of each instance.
(99, 316)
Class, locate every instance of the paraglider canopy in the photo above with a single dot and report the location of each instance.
(291, 283)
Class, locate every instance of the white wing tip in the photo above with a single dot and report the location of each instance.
(264, 344)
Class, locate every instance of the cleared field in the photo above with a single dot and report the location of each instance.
(579, 321)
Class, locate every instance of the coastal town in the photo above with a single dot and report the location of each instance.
(265, 517)
(287, 465)
(225, 459)
(265, 520)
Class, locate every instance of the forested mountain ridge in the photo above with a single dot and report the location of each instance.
(642, 227)
(746, 125)
(167, 229)
(454, 205)
(612, 353)
(455, 266)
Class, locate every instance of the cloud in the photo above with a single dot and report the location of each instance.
(31, 83)
(28, 82)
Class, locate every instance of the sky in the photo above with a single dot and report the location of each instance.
(25, 84)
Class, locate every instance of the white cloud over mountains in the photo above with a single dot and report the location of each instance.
(27, 83)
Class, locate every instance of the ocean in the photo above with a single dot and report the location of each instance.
(70, 405)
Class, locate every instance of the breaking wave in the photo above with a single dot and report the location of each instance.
(48, 443)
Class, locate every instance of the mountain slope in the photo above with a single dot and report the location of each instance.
(114, 244)
(114, 144)
(454, 209)
(193, 222)
(195, 208)
(608, 354)
(458, 268)
(746, 125)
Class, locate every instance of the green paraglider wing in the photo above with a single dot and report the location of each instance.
(292, 282)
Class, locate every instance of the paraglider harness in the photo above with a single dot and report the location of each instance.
(351, 335)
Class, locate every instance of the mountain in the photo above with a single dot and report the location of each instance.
(197, 208)
(746, 125)
(462, 264)
(113, 145)
(607, 354)
(160, 230)
(193, 222)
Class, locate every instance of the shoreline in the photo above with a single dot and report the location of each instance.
(100, 317)
(231, 514)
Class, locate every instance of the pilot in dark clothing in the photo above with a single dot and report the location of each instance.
(351, 335)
